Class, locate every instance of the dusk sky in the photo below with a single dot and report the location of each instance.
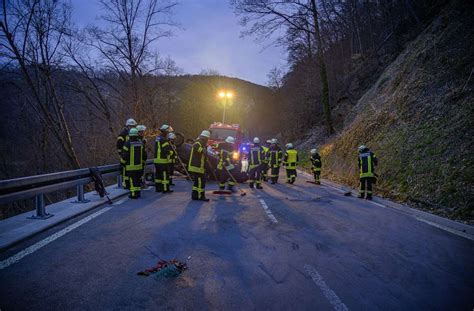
(209, 38)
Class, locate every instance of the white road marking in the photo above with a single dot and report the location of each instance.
(458, 233)
(268, 211)
(328, 185)
(331, 296)
(120, 201)
(378, 204)
(33, 248)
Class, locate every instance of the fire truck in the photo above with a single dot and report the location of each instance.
(220, 131)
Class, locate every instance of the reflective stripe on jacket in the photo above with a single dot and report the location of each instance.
(134, 156)
(367, 162)
(162, 151)
(197, 159)
(291, 158)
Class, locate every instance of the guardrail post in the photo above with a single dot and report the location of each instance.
(119, 181)
(40, 208)
(80, 195)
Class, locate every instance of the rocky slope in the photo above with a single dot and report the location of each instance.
(418, 119)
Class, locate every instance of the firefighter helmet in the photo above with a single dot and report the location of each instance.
(256, 140)
(133, 132)
(130, 122)
(230, 140)
(205, 134)
(314, 151)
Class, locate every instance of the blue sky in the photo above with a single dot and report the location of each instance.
(209, 38)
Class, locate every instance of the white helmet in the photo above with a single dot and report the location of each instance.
(274, 141)
(269, 141)
(165, 128)
(171, 135)
(206, 134)
(230, 140)
(314, 151)
(141, 128)
(256, 140)
(362, 148)
(289, 146)
(130, 122)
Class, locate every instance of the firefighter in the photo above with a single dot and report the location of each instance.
(162, 160)
(121, 140)
(367, 162)
(141, 133)
(290, 160)
(266, 148)
(133, 159)
(173, 157)
(316, 165)
(197, 166)
(225, 165)
(274, 158)
(256, 156)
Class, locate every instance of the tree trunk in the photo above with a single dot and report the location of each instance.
(322, 71)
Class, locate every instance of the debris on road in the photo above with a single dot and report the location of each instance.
(166, 269)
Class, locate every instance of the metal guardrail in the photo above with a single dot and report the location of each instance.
(36, 187)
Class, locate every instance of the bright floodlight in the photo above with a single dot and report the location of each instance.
(229, 94)
(221, 94)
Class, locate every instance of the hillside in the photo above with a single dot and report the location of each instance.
(187, 102)
(418, 119)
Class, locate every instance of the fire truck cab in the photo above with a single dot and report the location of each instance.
(220, 131)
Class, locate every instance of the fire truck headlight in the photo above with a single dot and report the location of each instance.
(235, 156)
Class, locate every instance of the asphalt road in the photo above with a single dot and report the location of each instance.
(286, 247)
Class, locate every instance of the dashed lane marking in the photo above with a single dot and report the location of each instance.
(268, 211)
(33, 248)
(330, 295)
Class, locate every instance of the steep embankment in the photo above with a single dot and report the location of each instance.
(418, 119)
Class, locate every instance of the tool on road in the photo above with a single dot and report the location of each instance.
(242, 192)
(99, 183)
(164, 268)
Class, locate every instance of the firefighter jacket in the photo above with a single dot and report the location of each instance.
(290, 159)
(256, 156)
(133, 155)
(225, 151)
(265, 154)
(274, 156)
(367, 162)
(162, 151)
(122, 138)
(173, 154)
(198, 157)
(316, 163)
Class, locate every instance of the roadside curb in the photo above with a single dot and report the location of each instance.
(19, 228)
(446, 224)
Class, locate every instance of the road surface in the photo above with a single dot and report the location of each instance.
(287, 247)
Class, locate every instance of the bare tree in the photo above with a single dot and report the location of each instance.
(265, 17)
(125, 43)
(31, 35)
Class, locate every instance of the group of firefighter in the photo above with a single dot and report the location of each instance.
(264, 162)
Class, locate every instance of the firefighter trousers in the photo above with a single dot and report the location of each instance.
(366, 187)
(134, 179)
(171, 172)
(255, 176)
(199, 184)
(162, 182)
(224, 178)
(274, 173)
(317, 176)
(291, 175)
